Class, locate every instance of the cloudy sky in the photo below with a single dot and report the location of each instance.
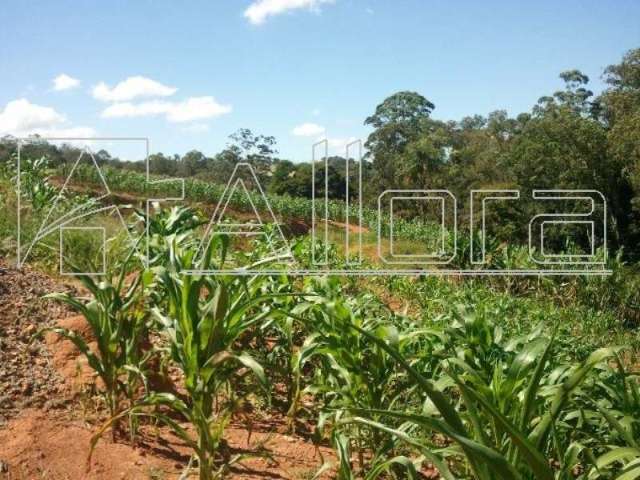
(187, 74)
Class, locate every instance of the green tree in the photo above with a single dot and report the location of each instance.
(621, 113)
(245, 146)
(191, 163)
(405, 142)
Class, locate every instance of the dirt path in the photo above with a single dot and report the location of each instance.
(352, 228)
(27, 376)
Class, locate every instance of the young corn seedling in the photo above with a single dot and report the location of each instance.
(203, 318)
(118, 325)
(351, 372)
(165, 226)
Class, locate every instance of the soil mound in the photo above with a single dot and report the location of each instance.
(27, 375)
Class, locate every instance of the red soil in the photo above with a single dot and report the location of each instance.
(39, 444)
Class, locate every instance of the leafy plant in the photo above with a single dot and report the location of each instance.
(350, 372)
(34, 182)
(508, 418)
(163, 227)
(118, 325)
(205, 317)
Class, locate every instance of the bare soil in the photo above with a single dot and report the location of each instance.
(51, 445)
(352, 228)
(27, 375)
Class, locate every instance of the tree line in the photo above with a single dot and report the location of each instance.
(570, 139)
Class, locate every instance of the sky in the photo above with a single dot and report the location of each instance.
(187, 74)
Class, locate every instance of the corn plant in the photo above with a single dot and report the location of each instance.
(34, 182)
(611, 406)
(507, 412)
(204, 318)
(350, 371)
(118, 325)
(163, 227)
(279, 339)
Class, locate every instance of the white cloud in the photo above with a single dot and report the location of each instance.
(196, 108)
(22, 118)
(21, 115)
(260, 10)
(193, 108)
(308, 130)
(64, 82)
(130, 88)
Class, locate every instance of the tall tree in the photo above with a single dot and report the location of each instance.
(245, 146)
(621, 113)
(191, 163)
(401, 146)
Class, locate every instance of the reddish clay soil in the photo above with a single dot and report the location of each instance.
(42, 445)
(27, 376)
(48, 412)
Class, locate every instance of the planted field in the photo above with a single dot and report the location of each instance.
(160, 374)
(420, 262)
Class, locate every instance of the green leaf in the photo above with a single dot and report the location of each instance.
(438, 462)
(534, 458)
(617, 455)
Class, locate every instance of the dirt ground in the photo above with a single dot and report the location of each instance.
(48, 415)
(53, 445)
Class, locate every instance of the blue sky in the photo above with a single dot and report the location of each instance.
(187, 74)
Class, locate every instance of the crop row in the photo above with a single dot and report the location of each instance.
(283, 206)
